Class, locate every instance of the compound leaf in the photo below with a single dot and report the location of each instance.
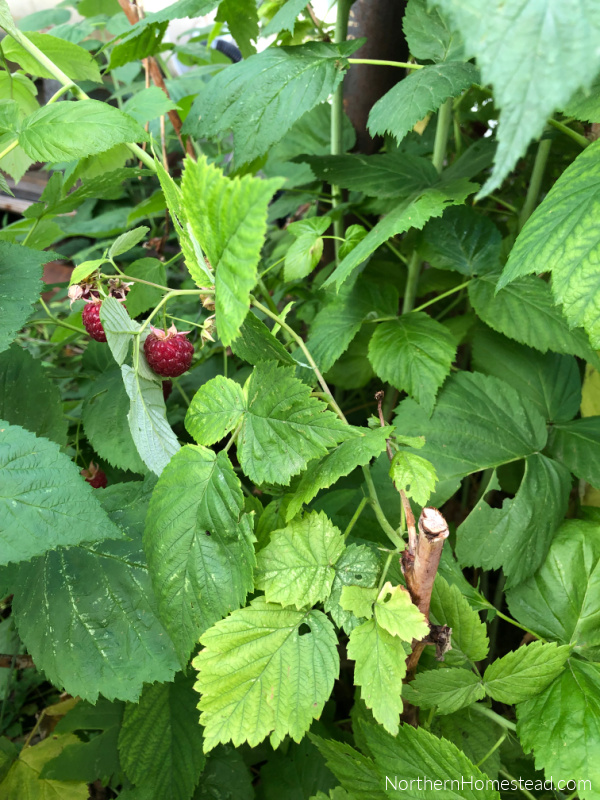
(199, 544)
(262, 673)
(447, 689)
(525, 672)
(297, 567)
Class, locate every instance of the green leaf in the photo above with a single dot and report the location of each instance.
(478, 422)
(127, 241)
(569, 708)
(23, 778)
(410, 213)
(85, 269)
(242, 20)
(118, 326)
(45, 502)
(75, 61)
(379, 669)
(88, 615)
(358, 566)
(355, 771)
(324, 472)
(577, 444)
(19, 88)
(474, 734)
(517, 536)
(525, 311)
(450, 607)
(92, 126)
(296, 568)
(18, 295)
(428, 34)
(199, 544)
(228, 216)
(384, 175)
(153, 437)
(225, 776)
(276, 440)
(285, 18)
(148, 104)
(341, 315)
(414, 353)
(216, 408)
(551, 382)
(585, 104)
(160, 742)
(278, 86)
(141, 297)
(303, 255)
(397, 614)
(525, 672)
(262, 673)
(462, 240)
(138, 44)
(562, 600)
(414, 475)
(256, 343)
(412, 98)
(29, 398)
(446, 689)
(85, 760)
(104, 417)
(523, 33)
(358, 600)
(415, 753)
(557, 238)
(6, 18)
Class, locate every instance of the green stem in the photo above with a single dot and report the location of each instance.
(522, 789)
(60, 76)
(165, 299)
(386, 567)
(355, 517)
(412, 281)
(337, 119)
(499, 720)
(376, 62)
(63, 90)
(441, 134)
(9, 149)
(300, 342)
(518, 625)
(503, 203)
(537, 173)
(139, 280)
(577, 137)
(442, 296)
(58, 321)
(381, 518)
(181, 391)
(492, 750)
(36, 222)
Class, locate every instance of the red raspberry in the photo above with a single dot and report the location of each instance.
(167, 387)
(95, 476)
(169, 353)
(91, 321)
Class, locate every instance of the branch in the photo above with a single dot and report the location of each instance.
(132, 12)
(16, 662)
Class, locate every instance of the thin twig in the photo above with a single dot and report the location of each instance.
(16, 662)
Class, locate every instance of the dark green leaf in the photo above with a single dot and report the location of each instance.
(259, 99)
(577, 444)
(429, 35)
(423, 91)
(462, 240)
(256, 343)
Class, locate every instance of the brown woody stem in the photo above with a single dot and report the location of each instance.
(16, 662)
(420, 570)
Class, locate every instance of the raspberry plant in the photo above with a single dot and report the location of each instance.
(352, 544)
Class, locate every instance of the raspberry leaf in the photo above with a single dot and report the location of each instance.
(152, 434)
(450, 607)
(160, 741)
(45, 503)
(297, 567)
(448, 690)
(288, 674)
(380, 667)
(525, 672)
(23, 778)
(110, 641)
(215, 410)
(396, 612)
(118, 326)
(199, 544)
(228, 217)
